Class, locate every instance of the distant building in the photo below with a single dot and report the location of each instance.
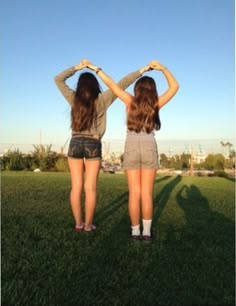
(200, 156)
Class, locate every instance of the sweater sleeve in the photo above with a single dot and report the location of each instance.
(60, 81)
(107, 97)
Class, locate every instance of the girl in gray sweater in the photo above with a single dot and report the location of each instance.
(88, 125)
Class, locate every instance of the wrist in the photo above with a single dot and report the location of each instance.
(77, 67)
(97, 69)
(94, 68)
(142, 70)
(164, 68)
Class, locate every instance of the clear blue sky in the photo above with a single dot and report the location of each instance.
(194, 39)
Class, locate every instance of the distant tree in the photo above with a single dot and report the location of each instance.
(164, 160)
(223, 144)
(176, 162)
(231, 163)
(214, 162)
(13, 160)
(61, 164)
(229, 145)
(43, 157)
(219, 162)
(185, 161)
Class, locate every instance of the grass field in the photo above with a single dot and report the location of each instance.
(190, 262)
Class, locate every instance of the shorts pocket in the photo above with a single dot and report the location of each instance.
(131, 158)
(150, 156)
(93, 150)
(75, 149)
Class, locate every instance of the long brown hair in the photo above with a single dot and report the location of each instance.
(143, 113)
(83, 111)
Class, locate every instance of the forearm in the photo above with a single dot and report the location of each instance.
(117, 88)
(108, 81)
(60, 81)
(124, 82)
(61, 77)
(64, 75)
(173, 87)
(171, 80)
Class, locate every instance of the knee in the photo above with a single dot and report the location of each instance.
(146, 192)
(76, 188)
(88, 188)
(135, 192)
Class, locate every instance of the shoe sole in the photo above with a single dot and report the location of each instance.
(147, 239)
(79, 229)
(93, 228)
(135, 238)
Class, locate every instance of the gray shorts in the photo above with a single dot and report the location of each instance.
(140, 151)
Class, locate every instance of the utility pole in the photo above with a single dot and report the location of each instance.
(191, 161)
(40, 137)
(63, 147)
(40, 140)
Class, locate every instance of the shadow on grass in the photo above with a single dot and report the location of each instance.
(121, 200)
(116, 267)
(160, 179)
(162, 198)
(201, 253)
(193, 263)
(200, 219)
(112, 207)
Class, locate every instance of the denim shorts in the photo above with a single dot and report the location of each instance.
(85, 147)
(140, 151)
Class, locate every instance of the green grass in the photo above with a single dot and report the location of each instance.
(190, 262)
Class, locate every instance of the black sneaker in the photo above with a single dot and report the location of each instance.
(136, 237)
(147, 238)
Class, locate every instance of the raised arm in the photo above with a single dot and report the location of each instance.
(61, 78)
(172, 83)
(110, 83)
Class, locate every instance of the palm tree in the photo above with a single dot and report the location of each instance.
(229, 145)
(223, 145)
(43, 156)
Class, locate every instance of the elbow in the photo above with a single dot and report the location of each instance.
(176, 87)
(56, 79)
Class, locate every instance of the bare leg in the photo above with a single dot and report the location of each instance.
(90, 186)
(76, 171)
(147, 181)
(134, 185)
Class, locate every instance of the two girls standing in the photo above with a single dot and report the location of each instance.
(88, 123)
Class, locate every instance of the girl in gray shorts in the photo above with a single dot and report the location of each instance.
(140, 156)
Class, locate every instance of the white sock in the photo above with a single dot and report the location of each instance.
(147, 227)
(135, 230)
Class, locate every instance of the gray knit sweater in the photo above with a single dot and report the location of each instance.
(105, 98)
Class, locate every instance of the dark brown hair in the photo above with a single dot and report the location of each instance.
(143, 113)
(83, 111)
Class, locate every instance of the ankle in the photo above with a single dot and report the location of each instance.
(135, 230)
(147, 227)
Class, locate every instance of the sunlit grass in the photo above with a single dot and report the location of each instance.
(44, 262)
